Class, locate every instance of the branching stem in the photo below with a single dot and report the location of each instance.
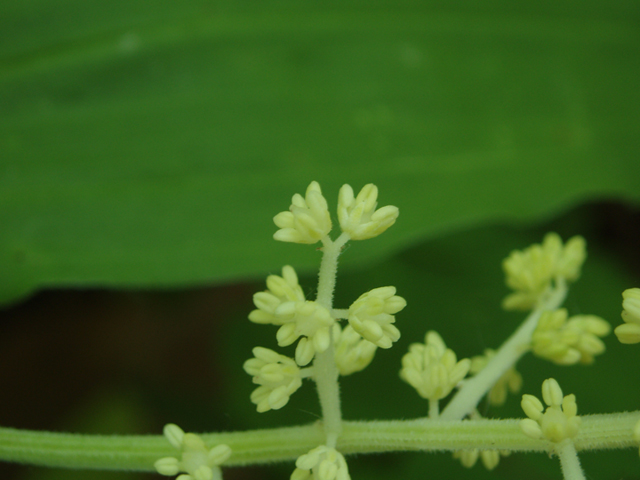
(473, 389)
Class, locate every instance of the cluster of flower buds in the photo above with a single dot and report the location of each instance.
(372, 316)
(432, 368)
(531, 272)
(308, 219)
(277, 375)
(283, 304)
(280, 290)
(569, 341)
(358, 215)
(558, 422)
(198, 462)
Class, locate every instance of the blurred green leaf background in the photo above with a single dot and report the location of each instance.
(146, 146)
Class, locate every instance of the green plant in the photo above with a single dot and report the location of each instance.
(539, 277)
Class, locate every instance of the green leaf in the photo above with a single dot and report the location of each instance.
(150, 147)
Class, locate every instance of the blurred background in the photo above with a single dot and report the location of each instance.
(146, 146)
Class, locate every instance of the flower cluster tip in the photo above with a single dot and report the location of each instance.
(308, 219)
(531, 272)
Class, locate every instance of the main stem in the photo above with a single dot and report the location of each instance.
(325, 368)
(139, 452)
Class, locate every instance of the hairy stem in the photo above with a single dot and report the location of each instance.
(138, 452)
(434, 408)
(325, 370)
(569, 461)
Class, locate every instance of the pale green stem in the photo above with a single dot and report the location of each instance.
(326, 377)
(473, 389)
(434, 408)
(306, 372)
(569, 461)
(325, 370)
(328, 269)
(139, 452)
(342, 313)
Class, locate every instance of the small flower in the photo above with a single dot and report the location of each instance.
(372, 316)
(629, 332)
(558, 422)
(307, 220)
(510, 381)
(278, 376)
(358, 216)
(432, 368)
(530, 272)
(196, 460)
(352, 352)
(567, 342)
(321, 463)
(307, 319)
(279, 290)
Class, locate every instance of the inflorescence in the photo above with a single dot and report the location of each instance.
(333, 342)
